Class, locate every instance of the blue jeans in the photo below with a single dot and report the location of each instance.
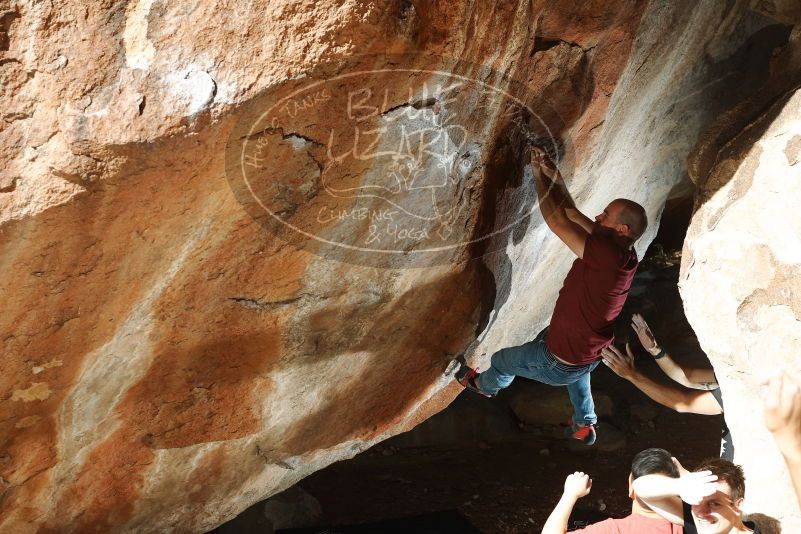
(534, 361)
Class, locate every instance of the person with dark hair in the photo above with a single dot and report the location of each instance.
(590, 300)
(700, 395)
(717, 512)
(644, 517)
(653, 460)
(782, 399)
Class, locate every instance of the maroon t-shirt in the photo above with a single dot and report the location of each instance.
(594, 292)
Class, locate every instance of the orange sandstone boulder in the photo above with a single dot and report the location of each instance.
(242, 240)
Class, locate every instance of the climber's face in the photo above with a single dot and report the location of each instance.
(610, 217)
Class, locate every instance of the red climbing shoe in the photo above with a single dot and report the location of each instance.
(583, 433)
(466, 376)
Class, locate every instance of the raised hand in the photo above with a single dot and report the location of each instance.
(693, 487)
(541, 161)
(644, 333)
(782, 399)
(577, 485)
(621, 364)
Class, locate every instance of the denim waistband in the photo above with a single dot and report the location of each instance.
(563, 366)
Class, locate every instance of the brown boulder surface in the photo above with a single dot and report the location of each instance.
(243, 239)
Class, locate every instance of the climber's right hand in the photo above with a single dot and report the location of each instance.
(541, 161)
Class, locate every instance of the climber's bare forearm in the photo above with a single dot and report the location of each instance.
(579, 218)
(554, 199)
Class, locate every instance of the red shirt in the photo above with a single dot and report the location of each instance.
(633, 524)
(590, 300)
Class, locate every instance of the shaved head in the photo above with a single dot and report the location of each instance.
(632, 215)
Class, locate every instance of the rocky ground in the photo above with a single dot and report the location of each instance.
(501, 463)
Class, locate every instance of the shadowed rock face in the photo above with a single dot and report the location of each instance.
(181, 338)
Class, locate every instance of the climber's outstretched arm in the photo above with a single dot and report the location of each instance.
(580, 219)
(556, 204)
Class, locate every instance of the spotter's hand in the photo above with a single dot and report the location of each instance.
(621, 364)
(646, 337)
(693, 487)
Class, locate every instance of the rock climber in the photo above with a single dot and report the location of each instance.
(701, 394)
(644, 517)
(590, 300)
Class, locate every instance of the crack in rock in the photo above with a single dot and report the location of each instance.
(258, 304)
